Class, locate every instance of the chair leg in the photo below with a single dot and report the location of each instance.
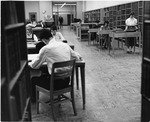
(73, 103)
(59, 96)
(52, 107)
(37, 101)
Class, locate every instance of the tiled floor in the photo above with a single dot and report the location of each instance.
(113, 86)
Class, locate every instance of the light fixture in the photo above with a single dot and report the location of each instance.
(63, 5)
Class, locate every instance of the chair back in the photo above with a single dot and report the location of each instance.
(62, 70)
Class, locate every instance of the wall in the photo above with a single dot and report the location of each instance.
(79, 10)
(45, 5)
(92, 5)
(66, 9)
(38, 6)
(31, 6)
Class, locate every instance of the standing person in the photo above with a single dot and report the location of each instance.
(61, 22)
(131, 26)
(93, 35)
(52, 52)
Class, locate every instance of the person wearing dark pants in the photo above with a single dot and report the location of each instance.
(131, 26)
(61, 22)
(53, 51)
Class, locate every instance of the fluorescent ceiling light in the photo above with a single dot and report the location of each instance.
(63, 5)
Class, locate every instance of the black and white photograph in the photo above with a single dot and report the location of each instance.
(75, 61)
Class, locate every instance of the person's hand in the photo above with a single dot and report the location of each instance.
(29, 64)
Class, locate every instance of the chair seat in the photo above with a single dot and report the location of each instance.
(59, 83)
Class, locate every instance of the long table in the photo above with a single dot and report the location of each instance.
(100, 33)
(124, 34)
(92, 30)
(31, 46)
(78, 65)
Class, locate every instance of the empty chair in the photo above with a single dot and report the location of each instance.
(61, 73)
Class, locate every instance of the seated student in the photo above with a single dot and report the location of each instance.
(30, 24)
(56, 34)
(29, 32)
(97, 25)
(53, 51)
(131, 26)
(105, 36)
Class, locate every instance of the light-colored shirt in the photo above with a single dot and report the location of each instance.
(54, 52)
(59, 36)
(131, 21)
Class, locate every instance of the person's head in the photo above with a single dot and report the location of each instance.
(132, 14)
(97, 21)
(106, 23)
(54, 30)
(45, 35)
(28, 22)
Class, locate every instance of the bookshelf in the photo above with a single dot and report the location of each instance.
(93, 15)
(145, 84)
(84, 28)
(116, 15)
(15, 76)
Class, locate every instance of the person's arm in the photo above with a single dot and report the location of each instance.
(61, 36)
(136, 25)
(126, 26)
(75, 55)
(39, 60)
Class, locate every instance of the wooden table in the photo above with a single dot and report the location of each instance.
(125, 35)
(31, 46)
(100, 33)
(36, 30)
(78, 65)
(93, 30)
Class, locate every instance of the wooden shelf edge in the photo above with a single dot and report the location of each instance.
(2, 81)
(25, 109)
(14, 80)
(147, 21)
(13, 26)
(147, 59)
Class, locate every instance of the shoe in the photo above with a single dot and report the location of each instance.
(128, 52)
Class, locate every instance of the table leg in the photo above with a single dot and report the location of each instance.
(134, 44)
(140, 42)
(99, 41)
(77, 77)
(89, 42)
(109, 43)
(83, 84)
(113, 39)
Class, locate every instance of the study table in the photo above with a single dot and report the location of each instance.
(31, 46)
(78, 65)
(100, 33)
(37, 30)
(92, 30)
(123, 34)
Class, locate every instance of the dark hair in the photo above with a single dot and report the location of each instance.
(132, 13)
(54, 28)
(106, 22)
(45, 34)
(97, 21)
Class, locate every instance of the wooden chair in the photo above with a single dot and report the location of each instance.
(58, 73)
